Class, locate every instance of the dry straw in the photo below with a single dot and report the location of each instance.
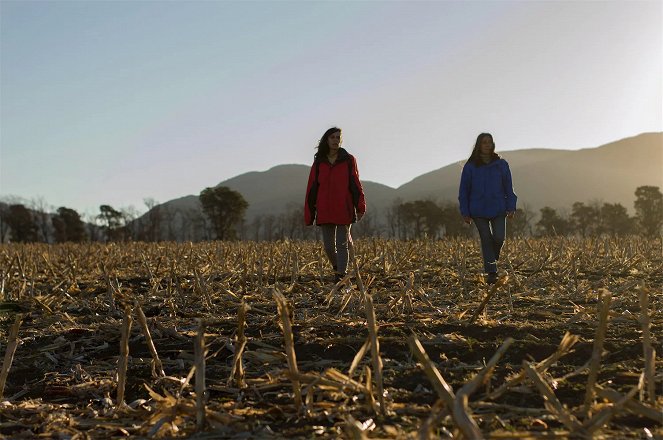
(288, 338)
(124, 357)
(12, 343)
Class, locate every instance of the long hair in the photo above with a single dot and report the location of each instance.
(323, 145)
(476, 151)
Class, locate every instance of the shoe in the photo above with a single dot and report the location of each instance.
(492, 278)
(338, 277)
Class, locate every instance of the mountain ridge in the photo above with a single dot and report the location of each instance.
(541, 176)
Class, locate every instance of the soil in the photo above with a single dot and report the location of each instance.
(72, 300)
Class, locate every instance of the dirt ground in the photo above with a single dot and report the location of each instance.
(72, 300)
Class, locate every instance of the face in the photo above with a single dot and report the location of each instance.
(334, 141)
(486, 145)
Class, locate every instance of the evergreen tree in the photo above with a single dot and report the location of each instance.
(649, 210)
(585, 219)
(225, 209)
(68, 226)
(615, 219)
(551, 223)
(22, 224)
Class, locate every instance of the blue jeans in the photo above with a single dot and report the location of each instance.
(492, 232)
(337, 241)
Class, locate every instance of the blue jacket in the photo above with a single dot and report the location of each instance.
(486, 190)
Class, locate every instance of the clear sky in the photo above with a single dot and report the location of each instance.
(110, 102)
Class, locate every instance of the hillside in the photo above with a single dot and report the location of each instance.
(557, 178)
(542, 177)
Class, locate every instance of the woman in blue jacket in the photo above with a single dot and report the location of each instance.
(486, 197)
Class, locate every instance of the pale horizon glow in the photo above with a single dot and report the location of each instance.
(115, 102)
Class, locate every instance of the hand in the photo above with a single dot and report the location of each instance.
(467, 220)
(510, 214)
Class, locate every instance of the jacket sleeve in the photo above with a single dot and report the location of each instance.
(311, 197)
(464, 190)
(358, 198)
(511, 197)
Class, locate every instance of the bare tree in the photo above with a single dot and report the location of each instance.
(40, 211)
(4, 226)
(131, 227)
(151, 221)
(367, 226)
(256, 227)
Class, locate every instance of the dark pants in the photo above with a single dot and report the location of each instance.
(337, 242)
(492, 232)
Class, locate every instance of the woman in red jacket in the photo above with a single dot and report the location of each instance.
(334, 198)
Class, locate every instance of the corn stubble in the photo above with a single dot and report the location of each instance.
(412, 344)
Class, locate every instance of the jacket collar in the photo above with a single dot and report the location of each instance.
(343, 155)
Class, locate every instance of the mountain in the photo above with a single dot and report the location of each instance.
(284, 187)
(542, 177)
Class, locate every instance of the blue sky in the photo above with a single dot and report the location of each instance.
(112, 102)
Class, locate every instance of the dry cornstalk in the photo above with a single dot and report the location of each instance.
(237, 373)
(345, 301)
(502, 281)
(286, 326)
(438, 411)
(371, 405)
(331, 378)
(261, 272)
(201, 285)
(530, 435)
(632, 405)
(461, 409)
(359, 356)
(551, 402)
(332, 293)
(604, 307)
(295, 267)
(444, 390)
(124, 356)
(463, 418)
(360, 283)
(3, 293)
(602, 417)
(470, 387)
(408, 293)
(354, 429)
(568, 341)
(157, 367)
(649, 351)
(12, 343)
(375, 348)
(458, 407)
(199, 354)
(346, 381)
(109, 294)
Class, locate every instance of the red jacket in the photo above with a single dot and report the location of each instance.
(334, 194)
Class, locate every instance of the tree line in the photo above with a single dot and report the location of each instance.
(221, 216)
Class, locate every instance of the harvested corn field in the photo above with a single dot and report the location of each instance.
(253, 340)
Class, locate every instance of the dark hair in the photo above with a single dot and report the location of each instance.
(323, 145)
(476, 152)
